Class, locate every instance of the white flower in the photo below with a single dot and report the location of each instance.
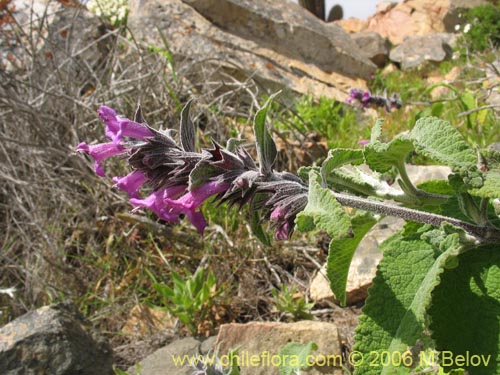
(457, 27)
(114, 10)
(467, 28)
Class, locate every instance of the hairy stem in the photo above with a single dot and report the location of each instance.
(412, 190)
(484, 234)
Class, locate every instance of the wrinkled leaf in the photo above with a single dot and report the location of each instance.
(440, 141)
(491, 187)
(395, 315)
(465, 311)
(323, 211)
(340, 255)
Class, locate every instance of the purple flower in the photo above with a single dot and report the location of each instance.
(131, 183)
(190, 202)
(156, 202)
(99, 152)
(118, 127)
(283, 230)
(363, 142)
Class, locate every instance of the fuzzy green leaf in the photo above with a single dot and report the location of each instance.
(294, 357)
(381, 157)
(266, 148)
(466, 309)
(340, 255)
(323, 211)
(339, 157)
(491, 186)
(395, 312)
(440, 141)
(376, 131)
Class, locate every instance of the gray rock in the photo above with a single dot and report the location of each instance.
(262, 342)
(52, 340)
(374, 46)
(213, 58)
(289, 30)
(162, 361)
(417, 50)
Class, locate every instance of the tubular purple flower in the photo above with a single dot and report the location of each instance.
(156, 202)
(131, 183)
(189, 203)
(282, 232)
(278, 215)
(99, 152)
(118, 127)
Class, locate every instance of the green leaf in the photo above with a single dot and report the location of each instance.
(441, 142)
(323, 211)
(381, 157)
(466, 309)
(294, 357)
(256, 222)
(187, 130)
(339, 157)
(395, 315)
(376, 131)
(491, 186)
(266, 148)
(304, 172)
(340, 255)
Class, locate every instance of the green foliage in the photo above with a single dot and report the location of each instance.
(422, 262)
(294, 357)
(484, 21)
(441, 142)
(323, 211)
(396, 309)
(286, 301)
(266, 148)
(465, 311)
(333, 121)
(189, 299)
(340, 253)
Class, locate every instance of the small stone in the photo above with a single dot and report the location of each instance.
(261, 342)
(53, 340)
(162, 361)
(415, 51)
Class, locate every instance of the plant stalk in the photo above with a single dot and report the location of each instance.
(484, 234)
